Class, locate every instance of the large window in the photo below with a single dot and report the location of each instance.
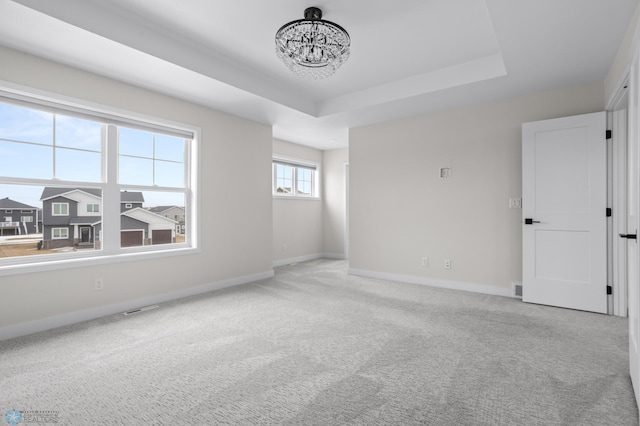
(93, 178)
(294, 178)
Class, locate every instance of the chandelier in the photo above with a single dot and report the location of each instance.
(312, 47)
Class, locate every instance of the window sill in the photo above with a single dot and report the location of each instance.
(91, 260)
(295, 197)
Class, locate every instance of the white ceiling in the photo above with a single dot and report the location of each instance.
(407, 56)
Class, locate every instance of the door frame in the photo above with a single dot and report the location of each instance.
(623, 97)
(617, 121)
(346, 210)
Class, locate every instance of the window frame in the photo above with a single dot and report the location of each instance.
(108, 116)
(53, 209)
(296, 164)
(95, 208)
(53, 233)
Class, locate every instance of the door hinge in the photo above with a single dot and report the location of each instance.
(609, 289)
(609, 134)
(608, 211)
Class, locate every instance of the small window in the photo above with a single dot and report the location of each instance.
(8, 211)
(128, 205)
(60, 209)
(26, 211)
(93, 208)
(293, 179)
(60, 233)
(26, 219)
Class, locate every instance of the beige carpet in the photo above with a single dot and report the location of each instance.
(316, 346)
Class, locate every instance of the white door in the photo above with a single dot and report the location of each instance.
(633, 259)
(564, 212)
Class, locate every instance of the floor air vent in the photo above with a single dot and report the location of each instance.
(139, 310)
(516, 290)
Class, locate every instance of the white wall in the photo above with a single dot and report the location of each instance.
(297, 223)
(334, 202)
(235, 196)
(401, 211)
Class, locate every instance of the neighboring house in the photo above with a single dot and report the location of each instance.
(172, 212)
(130, 200)
(18, 218)
(142, 227)
(72, 218)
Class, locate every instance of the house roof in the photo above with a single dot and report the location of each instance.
(125, 196)
(85, 220)
(131, 197)
(145, 215)
(52, 191)
(160, 209)
(8, 203)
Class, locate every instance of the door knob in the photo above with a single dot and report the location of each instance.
(530, 221)
(629, 236)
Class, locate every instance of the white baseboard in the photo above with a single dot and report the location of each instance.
(307, 257)
(451, 285)
(334, 256)
(35, 326)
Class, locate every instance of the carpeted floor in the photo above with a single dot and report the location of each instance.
(314, 346)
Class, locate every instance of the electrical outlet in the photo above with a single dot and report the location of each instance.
(424, 262)
(515, 203)
(447, 264)
(98, 284)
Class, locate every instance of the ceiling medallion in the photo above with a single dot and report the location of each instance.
(312, 47)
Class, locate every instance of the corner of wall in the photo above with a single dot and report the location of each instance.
(620, 65)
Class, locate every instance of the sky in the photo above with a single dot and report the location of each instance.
(38, 144)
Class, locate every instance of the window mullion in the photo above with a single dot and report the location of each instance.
(295, 180)
(54, 148)
(274, 174)
(153, 162)
(111, 194)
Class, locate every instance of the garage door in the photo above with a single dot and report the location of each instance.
(161, 236)
(130, 238)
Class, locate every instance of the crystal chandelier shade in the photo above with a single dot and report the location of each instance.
(311, 47)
